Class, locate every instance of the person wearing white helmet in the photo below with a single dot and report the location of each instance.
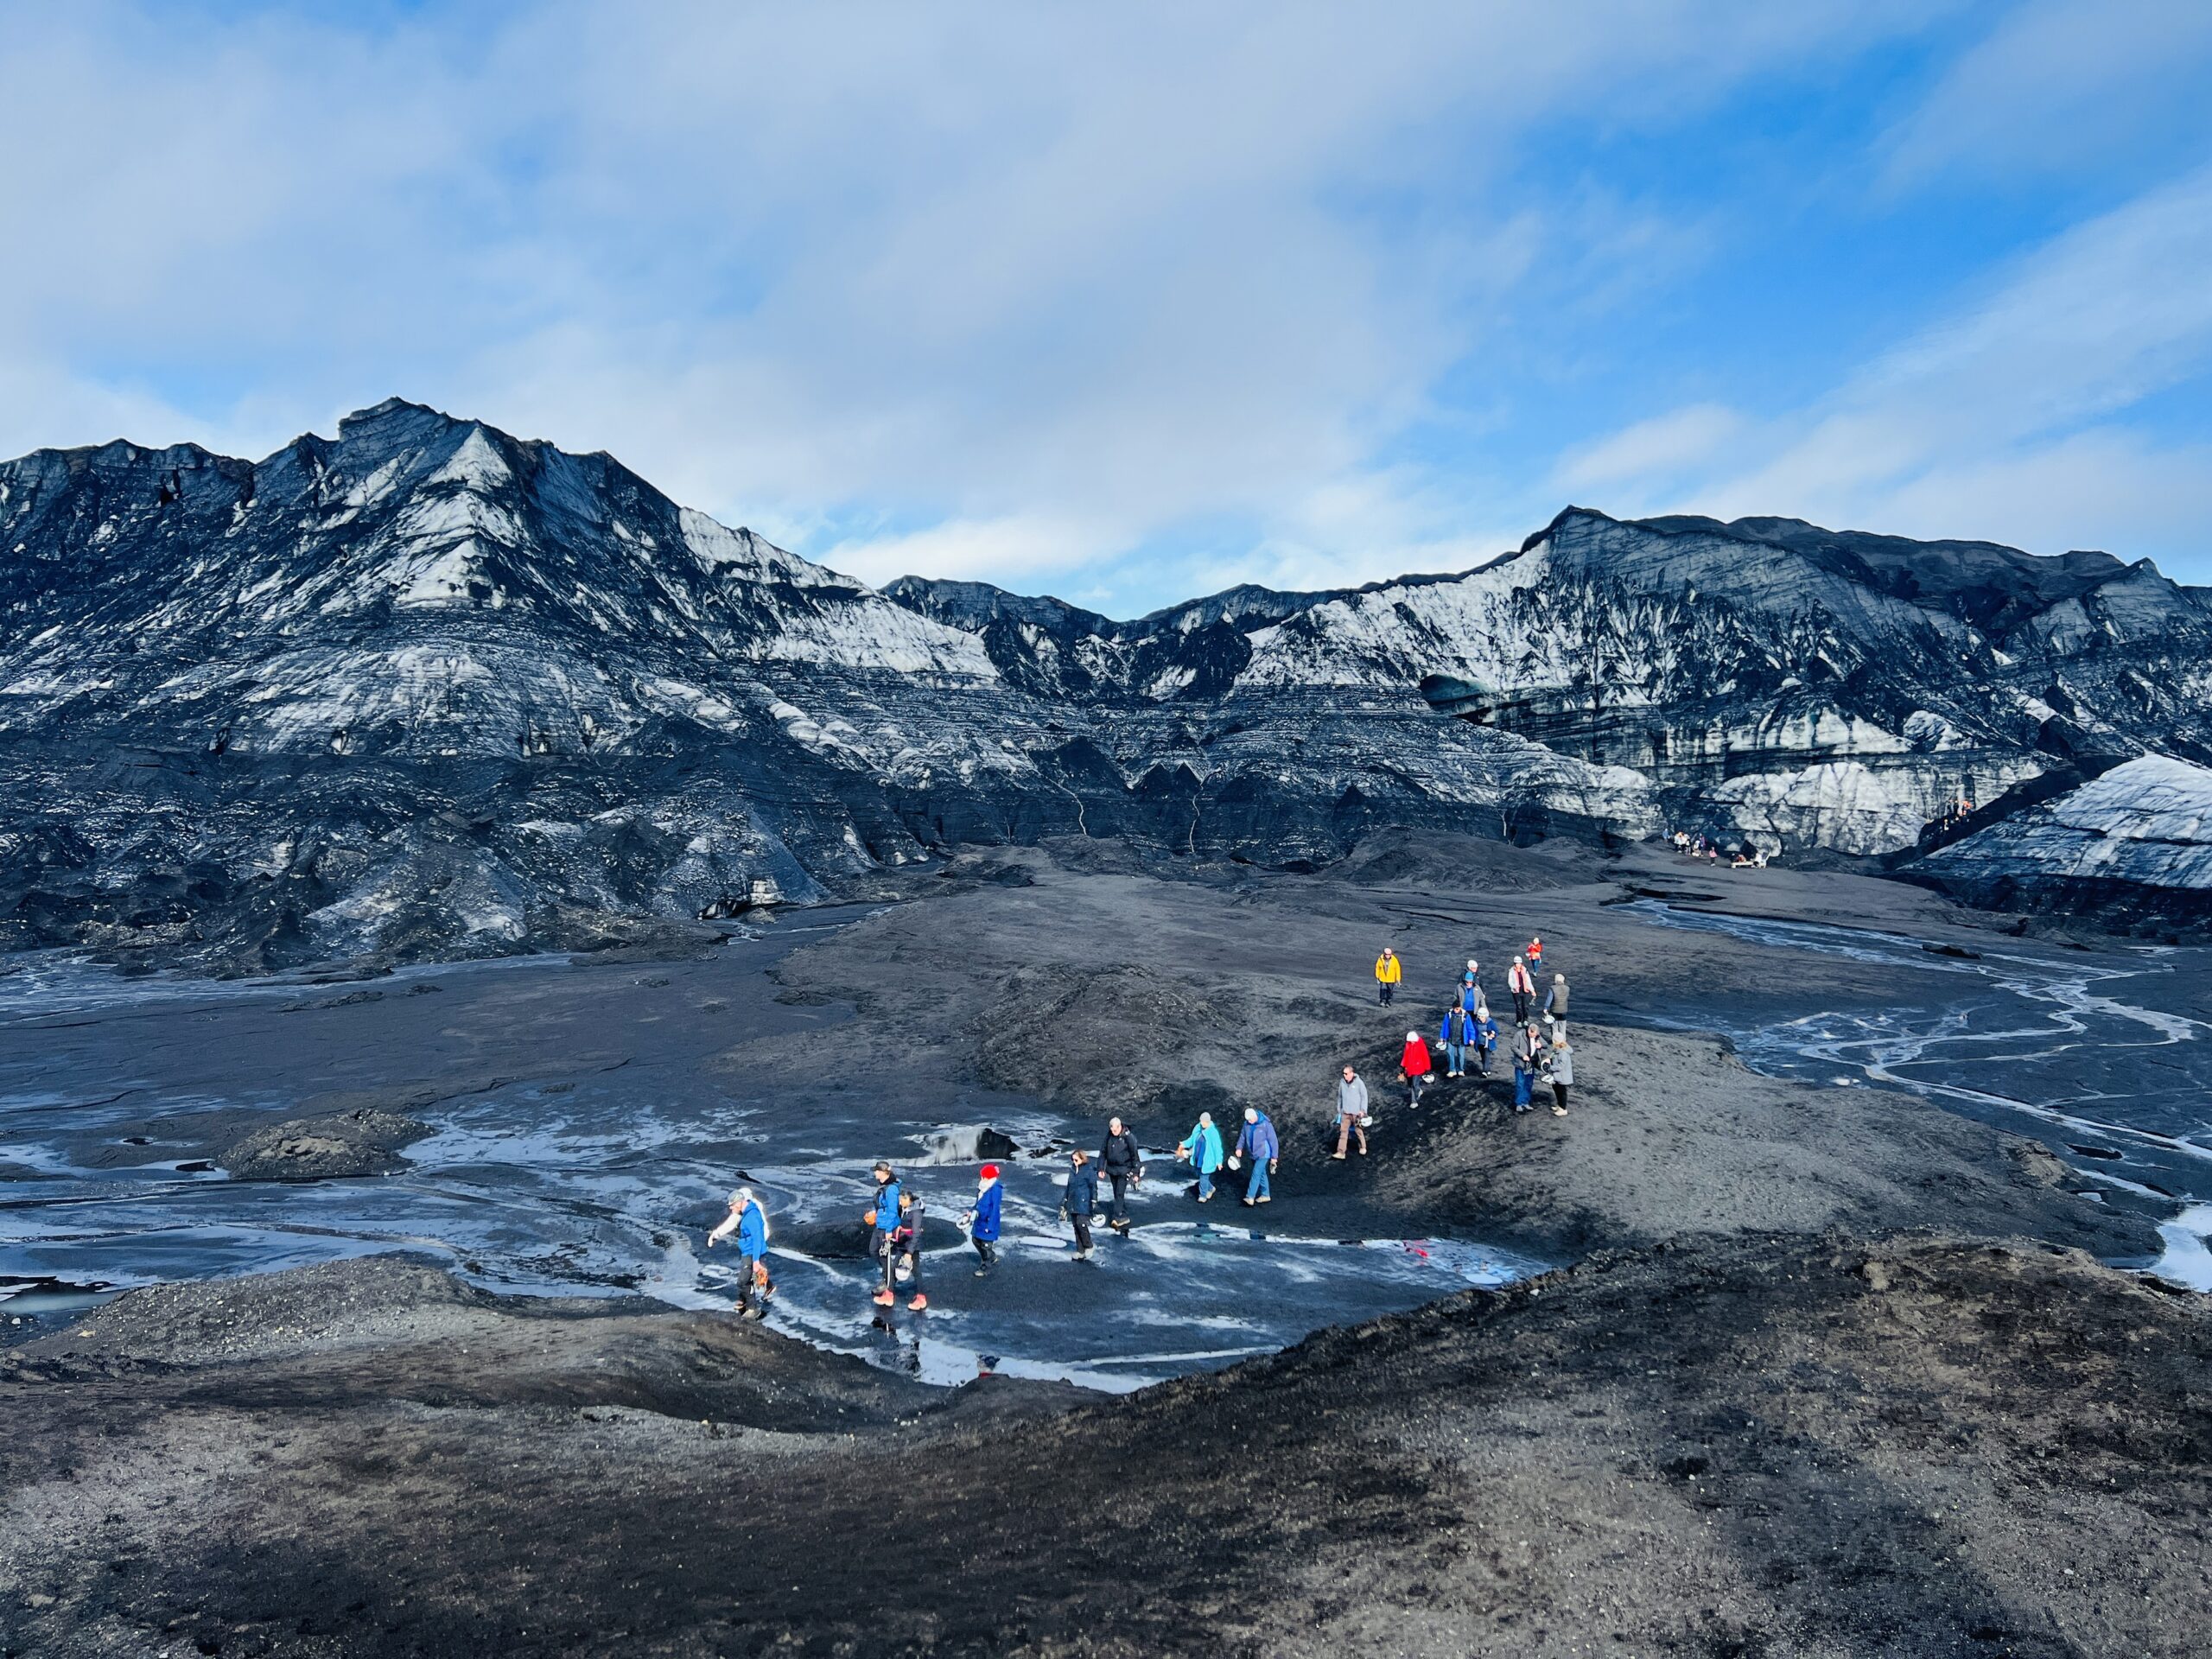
(1415, 1067)
(750, 1222)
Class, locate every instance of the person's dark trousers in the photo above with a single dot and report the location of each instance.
(1520, 1007)
(984, 1252)
(1385, 998)
(1119, 1215)
(1558, 1096)
(1082, 1231)
(1482, 1061)
(745, 1297)
(885, 1248)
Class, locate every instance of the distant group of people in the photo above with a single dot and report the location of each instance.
(1951, 812)
(1748, 856)
(1469, 1035)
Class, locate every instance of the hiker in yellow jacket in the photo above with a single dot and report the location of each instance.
(1389, 970)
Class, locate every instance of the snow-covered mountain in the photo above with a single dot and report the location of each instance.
(427, 688)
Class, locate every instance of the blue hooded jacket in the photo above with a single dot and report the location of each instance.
(1467, 1022)
(753, 1231)
(987, 1205)
(1259, 1140)
(885, 1205)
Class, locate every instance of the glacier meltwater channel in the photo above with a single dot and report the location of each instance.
(2091, 1052)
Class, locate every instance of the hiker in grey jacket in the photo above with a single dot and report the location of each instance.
(1351, 1110)
(1555, 997)
(1561, 1067)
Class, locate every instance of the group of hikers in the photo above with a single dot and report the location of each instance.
(1704, 848)
(895, 1219)
(1467, 1036)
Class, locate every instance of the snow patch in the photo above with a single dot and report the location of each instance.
(475, 465)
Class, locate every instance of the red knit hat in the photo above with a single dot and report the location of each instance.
(990, 1172)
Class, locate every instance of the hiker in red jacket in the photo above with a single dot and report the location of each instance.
(1416, 1067)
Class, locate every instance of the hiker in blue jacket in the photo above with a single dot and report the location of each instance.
(1258, 1143)
(983, 1220)
(1203, 1147)
(1457, 1034)
(750, 1222)
(1485, 1038)
(1081, 1198)
(882, 1217)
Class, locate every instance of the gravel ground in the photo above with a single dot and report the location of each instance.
(1834, 1372)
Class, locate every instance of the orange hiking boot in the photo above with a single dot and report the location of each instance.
(919, 1302)
(883, 1299)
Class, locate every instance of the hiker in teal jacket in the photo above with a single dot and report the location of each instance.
(1203, 1147)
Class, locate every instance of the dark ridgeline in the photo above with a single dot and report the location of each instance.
(428, 689)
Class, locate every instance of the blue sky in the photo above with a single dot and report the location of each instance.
(1129, 303)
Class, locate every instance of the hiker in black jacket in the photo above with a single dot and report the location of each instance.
(1121, 1163)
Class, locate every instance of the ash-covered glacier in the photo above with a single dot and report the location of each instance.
(428, 689)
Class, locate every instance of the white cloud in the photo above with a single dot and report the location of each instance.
(1025, 553)
(1063, 275)
(2061, 85)
(2103, 488)
(1659, 449)
(1958, 429)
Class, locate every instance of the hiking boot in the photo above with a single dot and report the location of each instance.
(1338, 1156)
(883, 1299)
(919, 1302)
(1559, 1111)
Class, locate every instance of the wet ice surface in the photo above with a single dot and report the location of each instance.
(600, 1174)
(2100, 1055)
